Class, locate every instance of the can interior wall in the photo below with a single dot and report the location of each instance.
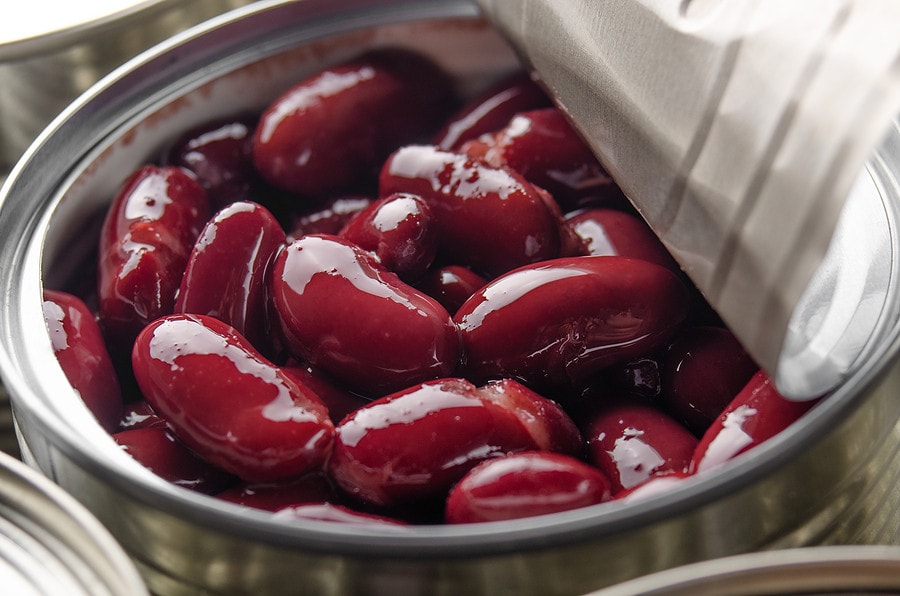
(831, 479)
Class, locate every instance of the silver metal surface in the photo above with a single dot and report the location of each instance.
(50, 544)
(830, 479)
(44, 67)
(834, 570)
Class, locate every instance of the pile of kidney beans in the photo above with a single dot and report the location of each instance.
(374, 303)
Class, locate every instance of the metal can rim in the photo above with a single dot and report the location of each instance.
(499, 537)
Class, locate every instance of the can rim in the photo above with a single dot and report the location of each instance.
(25, 42)
(89, 559)
(570, 527)
(831, 569)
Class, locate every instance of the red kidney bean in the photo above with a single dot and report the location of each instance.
(327, 131)
(415, 444)
(543, 147)
(219, 155)
(701, 372)
(604, 231)
(226, 274)
(489, 219)
(140, 414)
(559, 322)
(329, 218)
(312, 487)
(549, 425)
(451, 285)
(491, 110)
(339, 401)
(632, 442)
(342, 312)
(227, 402)
(757, 413)
(400, 231)
(158, 450)
(145, 242)
(523, 485)
(81, 351)
(330, 512)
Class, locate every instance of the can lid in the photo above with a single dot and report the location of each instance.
(810, 570)
(39, 26)
(50, 544)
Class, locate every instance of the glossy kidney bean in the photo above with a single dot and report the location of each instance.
(145, 243)
(160, 451)
(335, 127)
(79, 347)
(543, 147)
(342, 312)
(414, 444)
(604, 231)
(549, 425)
(559, 322)
(400, 231)
(524, 485)
(329, 218)
(701, 372)
(632, 441)
(329, 512)
(490, 219)
(227, 402)
(313, 487)
(219, 155)
(451, 285)
(491, 110)
(226, 274)
(757, 413)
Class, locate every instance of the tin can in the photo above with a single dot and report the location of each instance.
(831, 570)
(50, 544)
(831, 478)
(51, 54)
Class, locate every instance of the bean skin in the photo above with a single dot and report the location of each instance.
(342, 312)
(489, 219)
(145, 242)
(558, 323)
(332, 129)
(159, 450)
(524, 485)
(400, 231)
(414, 444)
(543, 147)
(226, 273)
(81, 351)
(701, 372)
(604, 231)
(228, 403)
(491, 110)
(632, 442)
(757, 413)
(219, 155)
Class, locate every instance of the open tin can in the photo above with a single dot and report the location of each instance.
(831, 478)
(50, 544)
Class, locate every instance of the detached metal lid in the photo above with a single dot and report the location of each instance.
(818, 570)
(50, 544)
(39, 26)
